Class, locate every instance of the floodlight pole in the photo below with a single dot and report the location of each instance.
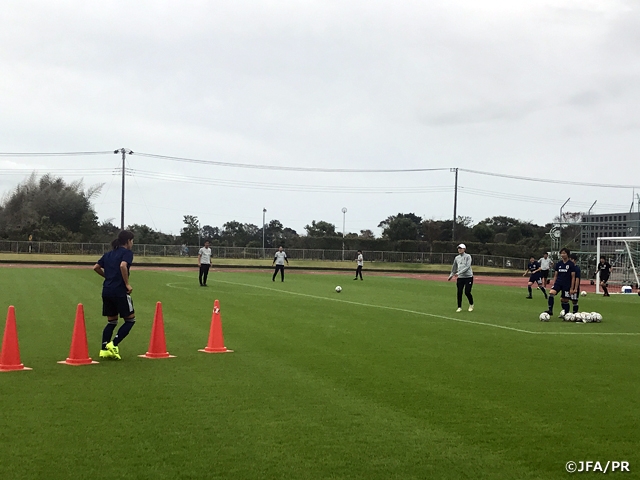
(560, 231)
(264, 211)
(124, 153)
(455, 205)
(591, 207)
(562, 208)
(344, 218)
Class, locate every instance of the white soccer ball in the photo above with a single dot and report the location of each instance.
(569, 317)
(338, 289)
(544, 317)
(598, 317)
(562, 314)
(587, 317)
(583, 293)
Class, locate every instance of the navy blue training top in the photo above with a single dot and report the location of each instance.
(577, 270)
(114, 285)
(533, 266)
(564, 270)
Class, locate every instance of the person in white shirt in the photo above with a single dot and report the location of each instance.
(278, 261)
(204, 262)
(360, 261)
(461, 269)
(545, 265)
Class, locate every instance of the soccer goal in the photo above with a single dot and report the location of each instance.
(623, 253)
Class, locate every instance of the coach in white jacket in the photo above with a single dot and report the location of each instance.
(461, 269)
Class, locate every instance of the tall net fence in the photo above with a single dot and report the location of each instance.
(221, 252)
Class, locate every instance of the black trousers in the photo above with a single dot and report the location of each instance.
(204, 273)
(359, 271)
(281, 268)
(465, 284)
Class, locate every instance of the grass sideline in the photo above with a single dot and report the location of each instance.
(381, 381)
(252, 263)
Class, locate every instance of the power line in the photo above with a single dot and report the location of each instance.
(528, 199)
(284, 187)
(546, 180)
(52, 154)
(66, 171)
(292, 169)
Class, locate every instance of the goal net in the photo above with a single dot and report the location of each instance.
(623, 253)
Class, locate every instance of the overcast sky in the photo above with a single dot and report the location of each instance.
(545, 89)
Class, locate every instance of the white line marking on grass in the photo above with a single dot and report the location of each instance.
(415, 312)
(173, 285)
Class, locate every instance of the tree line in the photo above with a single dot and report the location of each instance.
(49, 209)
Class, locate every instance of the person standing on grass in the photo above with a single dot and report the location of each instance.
(533, 269)
(545, 265)
(360, 261)
(575, 287)
(204, 263)
(116, 293)
(461, 269)
(562, 281)
(604, 269)
(278, 261)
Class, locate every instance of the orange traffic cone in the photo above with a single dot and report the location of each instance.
(157, 344)
(79, 352)
(216, 340)
(10, 355)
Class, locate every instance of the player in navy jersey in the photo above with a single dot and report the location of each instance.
(604, 269)
(116, 293)
(562, 281)
(575, 288)
(535, 276)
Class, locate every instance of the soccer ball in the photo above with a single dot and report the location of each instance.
(544, 317)
(338, 289)
(569, 317)
(562, 314)
(583, 293)
(597, 317)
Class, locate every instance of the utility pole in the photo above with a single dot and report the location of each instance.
(124, 153)
(455, 204)
(560, 230)
(264, 211)
(344, 217)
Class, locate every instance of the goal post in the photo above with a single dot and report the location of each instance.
(623, 253)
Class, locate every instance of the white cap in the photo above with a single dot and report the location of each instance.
(462, 245)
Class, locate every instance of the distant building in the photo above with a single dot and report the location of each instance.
(608, 225)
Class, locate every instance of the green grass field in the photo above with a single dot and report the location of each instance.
(381, 381)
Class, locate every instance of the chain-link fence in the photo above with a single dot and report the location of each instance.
(58, 248)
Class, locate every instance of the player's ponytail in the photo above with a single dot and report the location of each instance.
(123, 237)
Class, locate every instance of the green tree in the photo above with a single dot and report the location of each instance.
(432, 230)
(321, 229)
(190, 234)
(50, 209)
(483, 233)
(211, 234)
(403, 226)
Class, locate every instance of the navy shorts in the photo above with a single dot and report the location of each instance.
(114, 306)
(604, 278)
(536, 278)
(566, 291)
